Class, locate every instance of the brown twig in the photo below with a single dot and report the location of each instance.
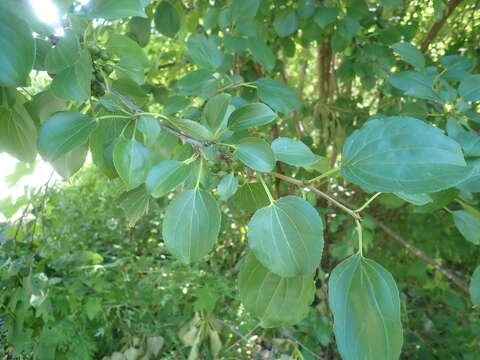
(437, 26)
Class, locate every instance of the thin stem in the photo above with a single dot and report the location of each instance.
(364, 206)
(325, 174)
(270, 197)
(114, 117)
(319, 193)
(448, 210)
(156, 115)
(360, 237)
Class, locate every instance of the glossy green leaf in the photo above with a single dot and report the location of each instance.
(262, 53)
(73, 83)
(403, 154)
(132, 161)
(250, 115)
(215, 111)
(293, 152)
(469, 141)
(474, 287)
(227, 187)
(256, 154)
(200, 83)
(193, 129)
(167, 20)
(277, 301)
(365, 303)
(458, 67)
(18, 135)
(410, 54)
(69, 163)
(150, 127)
(191, 225)
(17, 50)
(415, 199)
(325, 16)
(287, 237)
(277, 95)
(135, 204)
(244, 10)
(64, 54)
(139, 30)
(203, 52)
(251, 196)
(166, 176)
(414, 84)
(130, 68)
(44, 104)
(472, 183)
(468, 225)
(469, 88)
(63, 132)
(122, 46)
(115, 9)
(286, 23)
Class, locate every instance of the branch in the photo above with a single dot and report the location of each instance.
(427, 40)
(319, 193)
(129, 103)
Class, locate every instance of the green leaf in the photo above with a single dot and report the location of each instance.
(18, 135)
(293, 152)
(167, 20)
(139, 30)
(458, 67)
(150, 128)
(277, 301)
(166, 176)
(132, 161)
(262, 53)
(286, 23)
(130, 68)
(469, 88)
(250, 115)
(193, 129)
(64, 54)
(63, 132)
(115, 9)
(410, 54)
(472, 183)
(256, 154)
(469, 141)
(227, 186)
(468, 225)
(325, 16)
(414, 84)
(69, 163)
(17, 50)
(278, 95)
(135, 204)
(73, 83)
(203, 52)
(243, 10)
(44, 104)
(191, 225)
(201, 83)
(251, 196)
(287, 237)
(365, 303)
(415, 199)
(215, 111)
(122, 46)
(403, 154)
(474, 287)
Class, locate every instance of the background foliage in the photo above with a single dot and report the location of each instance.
(253, 86)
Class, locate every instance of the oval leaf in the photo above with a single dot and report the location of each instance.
(256, 154)
(365, 304)
(63, 132)
(191, 225)
(215, 111)
(167, 20)
(474, 287)
(278, 95)
(293, 152)
(468, 225)
(287, 237)
(227, 187)
(403, 154)
(277, 301)
(250, 115)
(193, 129)
(166, 176)
(132, 161)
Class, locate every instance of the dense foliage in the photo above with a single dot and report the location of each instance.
(312, 166)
